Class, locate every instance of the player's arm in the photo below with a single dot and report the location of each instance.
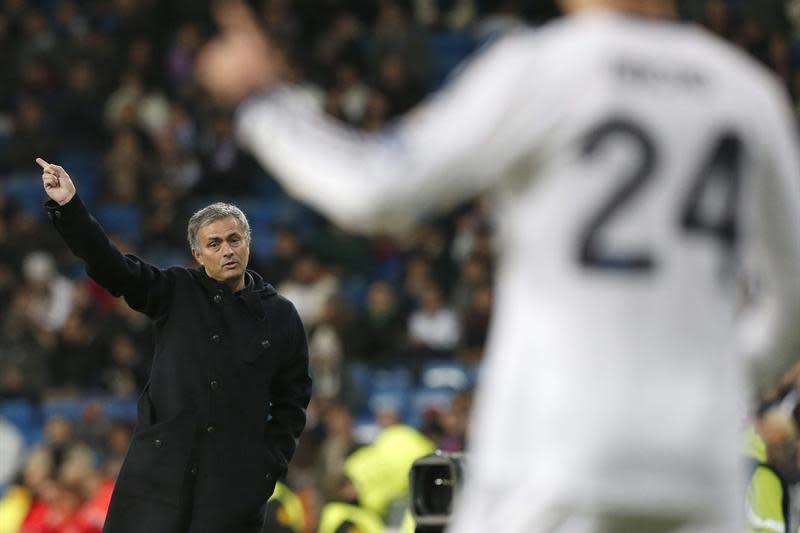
(446, 150)
(145, 287)
(772, 245)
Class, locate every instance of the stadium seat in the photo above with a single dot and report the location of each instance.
(390, 391)
(26, 190)
(448, 50)
(70, 408)
(85, 167)
(360, 383)
(25, 416)
(124, 220)
(120, 409)
(441, 373)
(396, 378)
(425, 399)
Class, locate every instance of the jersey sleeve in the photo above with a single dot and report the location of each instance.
(451, 147)
(772, 245)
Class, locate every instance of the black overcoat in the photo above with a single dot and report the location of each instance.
(227, 395)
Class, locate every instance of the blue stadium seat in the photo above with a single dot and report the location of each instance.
(21, 413)
(448, 50)
(390, 389)
(353, 290)
(124, 220)
(265, 186)
(386, 379)
(365, 430)
(26, 417)
(442, 373)
(424, 399)
(263, 243)
(360, 382)
(260, 213)
(70, 408)
(85, 167)
(397, 401)
(26, 190)
(120, 409)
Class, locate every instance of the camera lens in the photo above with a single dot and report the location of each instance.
(434, 491)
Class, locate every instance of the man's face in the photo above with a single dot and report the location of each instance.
(224, 251)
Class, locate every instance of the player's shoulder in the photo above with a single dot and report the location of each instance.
(744, 72)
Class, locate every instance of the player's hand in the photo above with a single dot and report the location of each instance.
(56, 181)
(240, 61)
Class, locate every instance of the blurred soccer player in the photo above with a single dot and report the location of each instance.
(641, 170)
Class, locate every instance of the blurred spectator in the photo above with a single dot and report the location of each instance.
(500, 17)
(59, 447)
(126, 371)
(287, 249)
(309, 286)
(455, 15)
(116, 444)
(12, 447)
(418, 277)
(227, 170)
(30, 137)
(381, 324)
(175, 164)
(337, 446)
(51, 295)
(395, 82)
(164, 217)
(433, 325)
(476, 317)
(133, 106)
(93, 426)
(80, 355)
(125, 168)
(393, 34)
(346, 253)
(348, 98)
(181, 57)
(77, 109)
(475, 274)
(326, 349)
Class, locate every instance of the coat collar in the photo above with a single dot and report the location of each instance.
(254, 291)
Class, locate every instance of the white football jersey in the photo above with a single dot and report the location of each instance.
(640, 170)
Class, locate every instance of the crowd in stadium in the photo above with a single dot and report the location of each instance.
(396, 324)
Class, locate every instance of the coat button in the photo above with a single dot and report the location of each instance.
(193, 471)
(158, 443)
(265, 344)
(57, 214)
(211, 429)
(268, 477)
(214, 384)
(218, 299)
(215, 338)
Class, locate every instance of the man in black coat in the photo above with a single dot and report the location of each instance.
(220, 417)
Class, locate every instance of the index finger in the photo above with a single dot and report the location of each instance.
(42, 163)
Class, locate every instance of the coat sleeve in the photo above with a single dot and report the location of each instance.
(290, 393)
(145, 288)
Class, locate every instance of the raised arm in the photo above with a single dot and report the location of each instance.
(145, 287)
(457, 144)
